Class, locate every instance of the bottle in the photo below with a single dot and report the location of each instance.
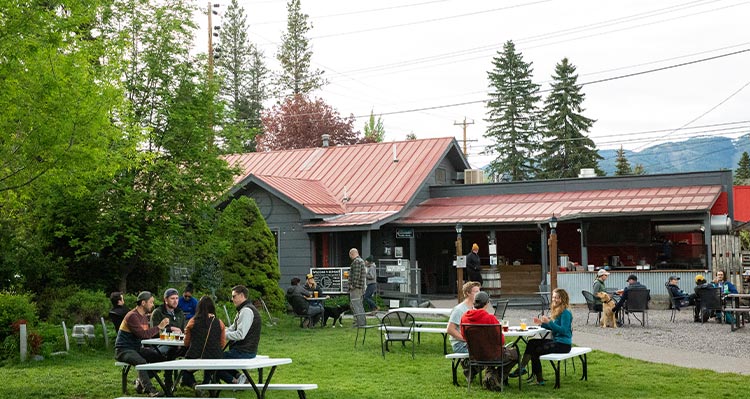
(726, 288)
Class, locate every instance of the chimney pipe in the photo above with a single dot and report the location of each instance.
(395, 155)
(326, 137)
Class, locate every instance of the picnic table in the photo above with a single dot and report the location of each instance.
(218, 364)
(737, 309)
(427, 311)
(515, 331)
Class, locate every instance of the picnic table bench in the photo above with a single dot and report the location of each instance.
(215, 388)
(576, 351)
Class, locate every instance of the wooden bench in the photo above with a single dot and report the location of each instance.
(125, 370)
(300, 388)
(577, 351)
(739, 320)
(456, 359)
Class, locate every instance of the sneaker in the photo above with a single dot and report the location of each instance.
(242, 379)
(139, 387)
(517, 372)
(154, 393)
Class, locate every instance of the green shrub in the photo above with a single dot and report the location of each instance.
(79, 307)
(14, 307)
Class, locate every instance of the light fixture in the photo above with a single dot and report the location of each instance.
(553, 222)
(459, 228)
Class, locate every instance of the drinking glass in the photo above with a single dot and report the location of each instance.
(506, 324)
(523, 324)
(315, 294)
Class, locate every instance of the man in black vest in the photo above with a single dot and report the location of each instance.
(243, 335)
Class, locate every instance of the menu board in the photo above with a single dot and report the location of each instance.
(331, 279)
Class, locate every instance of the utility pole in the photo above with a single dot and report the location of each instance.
(464, 124)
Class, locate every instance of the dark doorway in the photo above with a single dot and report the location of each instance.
(435, 253)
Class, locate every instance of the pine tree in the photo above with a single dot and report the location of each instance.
(566, 148)
(295, 54)
(374, 130)
(512, 116)
(742, 173)
(622, 166)
(243, 86)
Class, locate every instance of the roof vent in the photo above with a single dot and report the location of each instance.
(395, 155)
(326, 137)
(587, 172)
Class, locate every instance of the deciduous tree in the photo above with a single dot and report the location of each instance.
(512, 116)
(300, 122)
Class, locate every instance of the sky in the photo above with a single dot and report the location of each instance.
(655, 71)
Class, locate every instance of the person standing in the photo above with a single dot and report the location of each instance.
(357, 278)
(372, 283)
(243, 335)
(560, 324)
(204, 338)
(128, 348)
(598, 286)
(473, 265)
(187, 302)
(118, 311)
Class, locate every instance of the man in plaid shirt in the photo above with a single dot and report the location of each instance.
(357, 275)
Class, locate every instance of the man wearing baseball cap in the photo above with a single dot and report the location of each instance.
(632, 284)
(176, 316)
(680, 297)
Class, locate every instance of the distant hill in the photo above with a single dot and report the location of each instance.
(693, 155)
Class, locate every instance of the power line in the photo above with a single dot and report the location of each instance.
(317, 17)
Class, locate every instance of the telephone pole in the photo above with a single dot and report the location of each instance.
(464, 124)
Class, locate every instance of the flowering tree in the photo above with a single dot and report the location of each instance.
(300, 122)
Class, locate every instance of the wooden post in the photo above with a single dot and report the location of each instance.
(552, 244)
(459, 270)
(24, 342)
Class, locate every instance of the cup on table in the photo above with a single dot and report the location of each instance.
(506, 325)
(315, 294)
(162, 335)
(523, 325)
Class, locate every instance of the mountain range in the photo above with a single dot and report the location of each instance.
(692, 155)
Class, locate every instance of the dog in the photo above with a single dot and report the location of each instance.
(335, 312)
(608, 316)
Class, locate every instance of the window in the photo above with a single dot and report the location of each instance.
(440, 176)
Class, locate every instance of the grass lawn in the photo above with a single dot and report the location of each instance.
(327, 357)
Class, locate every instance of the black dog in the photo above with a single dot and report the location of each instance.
(336, 312)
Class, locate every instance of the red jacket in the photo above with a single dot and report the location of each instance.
(479, 316)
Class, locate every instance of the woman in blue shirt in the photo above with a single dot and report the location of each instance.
(560, 324)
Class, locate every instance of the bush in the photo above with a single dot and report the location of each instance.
(14, 307)
(79, 307)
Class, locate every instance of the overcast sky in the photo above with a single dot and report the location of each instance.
(393, 56)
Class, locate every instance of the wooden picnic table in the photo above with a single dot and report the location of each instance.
(218, 364)
(737, 309)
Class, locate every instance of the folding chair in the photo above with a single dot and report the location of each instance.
(500, 308)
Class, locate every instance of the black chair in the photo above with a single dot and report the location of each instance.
(397, 326)
(591, 303)
(359, 327)
(710, 302)
(500, 308)
(637, 302)
(485, 344)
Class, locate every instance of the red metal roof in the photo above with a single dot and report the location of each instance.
(539, 207)
(320, 178)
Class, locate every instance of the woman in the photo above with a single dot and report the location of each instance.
(560, 324)
(204, 338)
(371, 278)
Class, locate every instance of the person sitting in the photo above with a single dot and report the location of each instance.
(118, 311)
(722, 282)
(632, 284)
(681, 298)
(695, 297)
(204, 339)
(187, 302)
(296, 295)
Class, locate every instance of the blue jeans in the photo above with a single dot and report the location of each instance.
(369, 292)
(229, 375)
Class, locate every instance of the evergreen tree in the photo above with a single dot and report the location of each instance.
(622, 166)
(566, 148)
(297, 77)
(244, 75)
(512, 116)
(742, 173)
(374, 130)
(411, 136)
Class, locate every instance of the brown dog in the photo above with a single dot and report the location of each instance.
(608, 316)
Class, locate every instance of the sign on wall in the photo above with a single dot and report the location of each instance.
(405, 233)
(331, 279)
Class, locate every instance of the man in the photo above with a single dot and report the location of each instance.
(176, 325)
(632, 284)
(118, 311)
(296, 295)
(458, 343)
(479, 314)
(187, 302)
(598, 286)
(243, 335)
(473, 266)
(680, 296)
(357, 279)
(128, 348)
(371, 280)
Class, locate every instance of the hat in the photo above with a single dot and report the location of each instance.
(171, 291)
(674, 278)
(633, 277)
(143, 296)
(370, 259)
(189, 288)
(602, 272)
(481, 299)
(474, 247)
(309, 276)
(699, 278)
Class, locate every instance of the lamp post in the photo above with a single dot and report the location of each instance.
(459, 270)
(552, 244)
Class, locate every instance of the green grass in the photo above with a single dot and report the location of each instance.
(327, 357)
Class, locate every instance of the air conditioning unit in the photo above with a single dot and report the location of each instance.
(473, 176)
